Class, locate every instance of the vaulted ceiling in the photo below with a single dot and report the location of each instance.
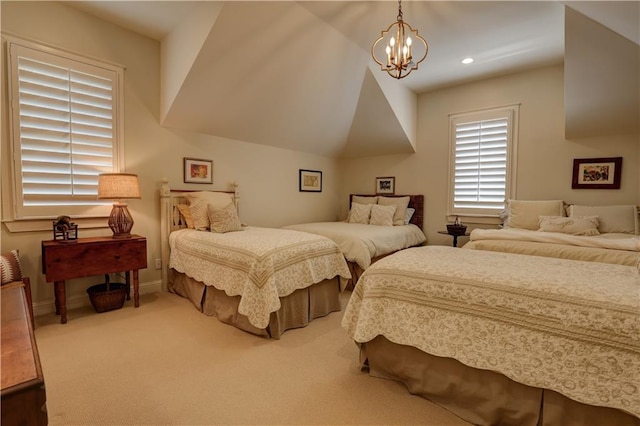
(299, 75)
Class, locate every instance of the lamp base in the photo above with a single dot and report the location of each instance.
(120, 221)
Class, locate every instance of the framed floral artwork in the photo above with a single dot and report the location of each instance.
(198, 171)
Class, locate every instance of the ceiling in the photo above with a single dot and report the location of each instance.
(302, 77)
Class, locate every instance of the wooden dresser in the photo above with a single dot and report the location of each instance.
(23, 397)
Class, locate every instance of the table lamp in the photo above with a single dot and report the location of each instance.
(119, 186)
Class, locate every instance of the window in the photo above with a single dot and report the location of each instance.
(482, 161)
(65, 122)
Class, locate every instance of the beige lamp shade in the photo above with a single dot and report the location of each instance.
(118, 186)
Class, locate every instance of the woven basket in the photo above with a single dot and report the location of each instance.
(104, 300)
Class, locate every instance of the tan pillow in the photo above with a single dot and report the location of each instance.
(360, 213)
(10, 269)
(362, 199)
(382, 215)
(578, 225)
(526, 214)
(199, 214)
(623, 218)
(186, 214)
(401, 204)
(224, 219)
(216, 199)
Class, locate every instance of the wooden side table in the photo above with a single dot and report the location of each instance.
(87, 257)
(455, 237)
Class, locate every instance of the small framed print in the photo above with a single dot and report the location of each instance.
(310, 180)
(597, 173)
(198, 171)
(385, 185)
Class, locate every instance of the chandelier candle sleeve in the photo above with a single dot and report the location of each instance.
(119, 186)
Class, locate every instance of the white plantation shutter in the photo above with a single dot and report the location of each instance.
(65, 127)
(481, 149)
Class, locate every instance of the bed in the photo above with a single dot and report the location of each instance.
(364, 237)
(606, 234)
(261, 280)
(503, 338)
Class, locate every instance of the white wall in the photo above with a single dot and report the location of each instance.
(268, 177)
(545, 158)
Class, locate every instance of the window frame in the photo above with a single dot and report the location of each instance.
(511, 113)
(16, 46)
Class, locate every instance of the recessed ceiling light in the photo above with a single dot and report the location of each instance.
(467, 60)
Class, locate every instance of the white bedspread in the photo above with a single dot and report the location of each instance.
(608, 241)
(360, 243)
(259, 264)
(565, 325)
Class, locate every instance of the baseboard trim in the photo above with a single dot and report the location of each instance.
(48, 306)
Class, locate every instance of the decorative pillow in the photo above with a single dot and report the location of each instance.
(401, 204)
(224, 219)
(526, 214)
(621, 218)
(216, 199)
(577, 225)
(382, 215)
(199, 214)
(360, 213)
(186, 214)
(409, 215)
(10, 268)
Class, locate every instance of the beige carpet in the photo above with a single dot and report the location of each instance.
(165, 363)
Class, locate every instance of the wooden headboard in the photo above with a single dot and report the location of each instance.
(171, 219)
(415, 202)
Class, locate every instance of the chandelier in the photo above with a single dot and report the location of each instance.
(397, 57)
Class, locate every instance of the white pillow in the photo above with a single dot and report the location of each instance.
(621, 218)
(401, 204)
(525, 214)
(382, 215)
(409, 215)
(360, 213)
(577, 225)
(215, 199)
(224, 219)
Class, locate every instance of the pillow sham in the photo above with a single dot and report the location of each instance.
(216, 199)
(577, 225)
(619, 218)
(525, 214)
(382, 215)
(409, 215)
(186, 214)
(361, 199)
(10, 268)
(401, 204)
(360, 213)
(199, 214)
(224, 219)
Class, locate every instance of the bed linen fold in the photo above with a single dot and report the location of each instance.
(361, 243)
(259, 264)
(564, 325)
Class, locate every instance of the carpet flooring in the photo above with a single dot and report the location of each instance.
(165, 363)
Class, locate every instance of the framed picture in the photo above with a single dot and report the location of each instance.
(310, 180)
(198, 171)
(597, 173)
(385, 185)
